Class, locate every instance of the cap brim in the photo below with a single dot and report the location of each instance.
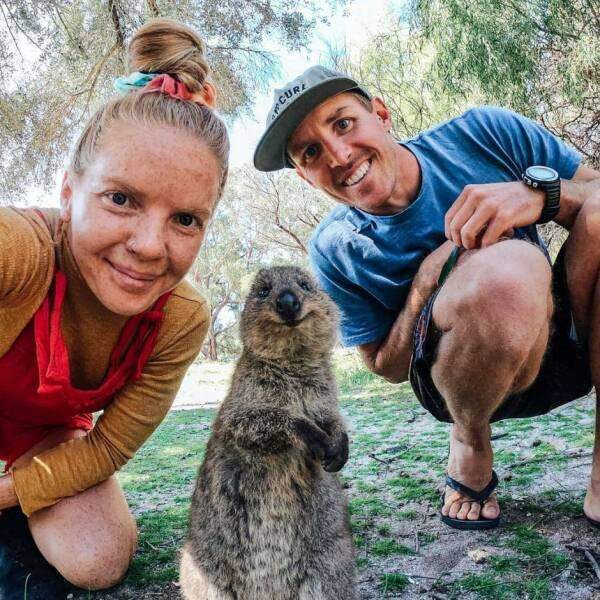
(270, 152)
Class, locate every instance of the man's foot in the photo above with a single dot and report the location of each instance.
(470, 464)
(591, 504)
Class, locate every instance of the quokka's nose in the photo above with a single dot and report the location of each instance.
(288, 305)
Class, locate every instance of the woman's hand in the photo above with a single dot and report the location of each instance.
(8, 496)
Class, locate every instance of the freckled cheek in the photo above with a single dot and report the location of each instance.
(183, 254)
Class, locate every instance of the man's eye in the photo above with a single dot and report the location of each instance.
(118, 198)
(186, 220)
(264, 292)
(310, 152)
(343, 124)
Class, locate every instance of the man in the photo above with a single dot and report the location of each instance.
(505, 335)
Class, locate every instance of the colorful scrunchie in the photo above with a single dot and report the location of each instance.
(157, 82)
(133, 81)
(165, 84)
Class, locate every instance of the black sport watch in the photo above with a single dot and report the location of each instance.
(547, 180)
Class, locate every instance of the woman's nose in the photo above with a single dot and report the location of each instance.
(147, 239)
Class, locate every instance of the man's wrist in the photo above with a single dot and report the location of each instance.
(548, 181)
(538, 200)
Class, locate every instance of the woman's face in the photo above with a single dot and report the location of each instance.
(138, 214)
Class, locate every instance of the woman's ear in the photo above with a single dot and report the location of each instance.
(207, 96)
(66, 197)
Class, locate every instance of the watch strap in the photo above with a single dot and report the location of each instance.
(552, 202)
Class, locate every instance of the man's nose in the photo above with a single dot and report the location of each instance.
(148, 239)
(338, 153)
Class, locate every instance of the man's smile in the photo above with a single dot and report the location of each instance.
(358, 174)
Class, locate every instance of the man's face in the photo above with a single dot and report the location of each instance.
(345, 150)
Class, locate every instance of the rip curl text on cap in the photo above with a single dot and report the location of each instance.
(291, 104)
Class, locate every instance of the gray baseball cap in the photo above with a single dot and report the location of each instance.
(291, 104)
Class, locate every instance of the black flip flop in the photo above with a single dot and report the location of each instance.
(480, 497)
(592, 522)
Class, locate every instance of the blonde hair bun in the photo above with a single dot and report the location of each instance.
(167, 46)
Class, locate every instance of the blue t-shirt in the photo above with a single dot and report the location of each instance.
(367, 262)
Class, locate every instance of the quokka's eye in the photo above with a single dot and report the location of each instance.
(264, 292)
(305, 286)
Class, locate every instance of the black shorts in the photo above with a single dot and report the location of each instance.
(564, 374)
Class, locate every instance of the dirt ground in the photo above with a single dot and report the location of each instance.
(543, 549)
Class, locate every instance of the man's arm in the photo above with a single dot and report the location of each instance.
(390, 357)
(482, 214)
(574, 192)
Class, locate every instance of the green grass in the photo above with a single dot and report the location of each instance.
(389, 547)
(393, 582)
(397, 462)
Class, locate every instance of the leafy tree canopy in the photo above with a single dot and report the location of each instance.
(538, 57)
(74, 49)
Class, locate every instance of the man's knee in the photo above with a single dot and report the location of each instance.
(589, 216)
(500, 296)
(97, 567)
(584, 238)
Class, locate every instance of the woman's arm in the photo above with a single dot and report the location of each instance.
(26, 269)
(8, 496)
(125, 424)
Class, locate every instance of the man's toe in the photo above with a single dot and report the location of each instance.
(474, 512)
(465, 509)
(490, 509)
(454, 509)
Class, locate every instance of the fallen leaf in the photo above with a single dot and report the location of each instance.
(478, 556)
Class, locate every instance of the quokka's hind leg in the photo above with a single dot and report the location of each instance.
(324, 587)
(194, 583)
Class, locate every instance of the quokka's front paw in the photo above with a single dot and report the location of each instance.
(337, 455)
(332, 455)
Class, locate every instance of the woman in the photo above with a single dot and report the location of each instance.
(94, 312)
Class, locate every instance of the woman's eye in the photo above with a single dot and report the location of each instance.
(118, 198)
(264, 292)
(305, 286)
(343, 124)
(186, 220)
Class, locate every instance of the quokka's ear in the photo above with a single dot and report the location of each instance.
(247, 281)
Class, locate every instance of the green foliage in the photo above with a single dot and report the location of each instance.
(389, 547)
(393, 582)
(58, 61)
(538, 57)
(262, 219)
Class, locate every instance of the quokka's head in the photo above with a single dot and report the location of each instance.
(286, 315)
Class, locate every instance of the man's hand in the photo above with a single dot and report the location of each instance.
(483, 214)
(426, 279)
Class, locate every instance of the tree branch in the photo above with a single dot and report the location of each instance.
(153, 8)
(114, 15)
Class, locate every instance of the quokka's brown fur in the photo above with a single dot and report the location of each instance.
(269, 518)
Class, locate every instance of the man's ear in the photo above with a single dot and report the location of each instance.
(66, 196)
(382, 112)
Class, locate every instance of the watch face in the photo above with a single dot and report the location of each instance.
(542, 173)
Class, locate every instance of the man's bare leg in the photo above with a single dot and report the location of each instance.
(583, 278)
(495, 311)
(90, 538)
